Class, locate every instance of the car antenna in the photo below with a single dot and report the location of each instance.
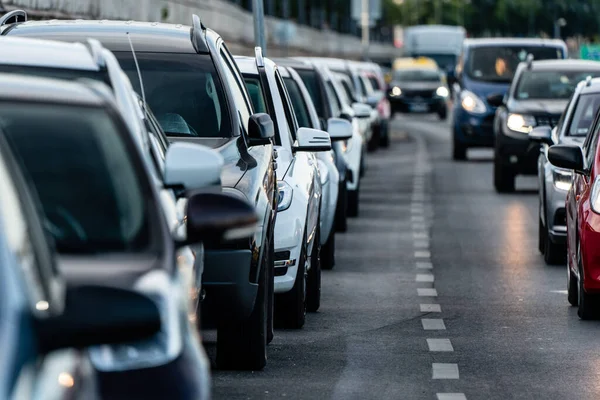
(588, 80)
(137, 66)
(529, 60)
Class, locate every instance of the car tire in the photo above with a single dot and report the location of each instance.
(554, 254)
(443, 114)
(572, 289)
(313, 284)
(459, 151)
(341, 211)
(290, 307)
(271, 298)
(384, 135)
(328, 253)
(585, 301)
(541, 236)
(353, 197)
(373, 144)
(243, 345)
(504, 180)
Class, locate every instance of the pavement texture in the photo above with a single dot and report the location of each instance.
(439, 292)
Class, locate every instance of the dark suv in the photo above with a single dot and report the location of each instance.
(198, 95)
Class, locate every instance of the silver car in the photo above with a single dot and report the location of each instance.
(554, 183)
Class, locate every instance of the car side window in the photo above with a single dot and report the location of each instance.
(290, 116)
(591, 144)
(336, 106)
(241, 101)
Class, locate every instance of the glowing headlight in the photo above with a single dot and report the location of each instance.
(472, 103)
(396, 91)
(285, 195)
(520, 123)
(562, 178)
(442, 92)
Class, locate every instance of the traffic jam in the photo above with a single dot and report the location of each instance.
(171, 212)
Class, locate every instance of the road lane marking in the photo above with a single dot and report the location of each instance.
(559, 291)
(444, 371)
(420, 235)
(433, 324)
(430, 308)
(424, 265)
(417, 218)
(427, 292)
(422, 254)
(423, 244)
(451, 396)
(439, 345)
(424, 278)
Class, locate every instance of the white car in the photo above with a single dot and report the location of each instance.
(297, 226)
(338, 129)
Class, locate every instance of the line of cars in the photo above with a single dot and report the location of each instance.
(154, 185)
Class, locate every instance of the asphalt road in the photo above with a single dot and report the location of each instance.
(439, 292)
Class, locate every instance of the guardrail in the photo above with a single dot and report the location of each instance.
(231, 21)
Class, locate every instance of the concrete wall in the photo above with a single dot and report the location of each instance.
(232, 22)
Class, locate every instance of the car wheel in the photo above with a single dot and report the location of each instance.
(271, 298)
(290, 307)
(504, 180)
(459, 151)
(353, 196)
(384, 135)
(374, 142)
(341, 211)
(313, 287)
(541, 236)
(585, 301)
(243, 345)
(554, 254)
(443, 114)
(328, 252)
(572, 290)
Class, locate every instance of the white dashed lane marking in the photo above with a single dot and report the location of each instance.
(444, 371)
(439, 345)
(420, 235)
(427, 292)
(421, 243)
(422, 254)
(424, 278)
(433, 324)
(451, 396)
(430, 308)
(424, 265)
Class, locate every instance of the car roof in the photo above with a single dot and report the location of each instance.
(513, 42)
(145, 36)
(46, 53)
(544, 65)
(15, 87)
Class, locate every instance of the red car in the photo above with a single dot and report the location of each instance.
(583, 221)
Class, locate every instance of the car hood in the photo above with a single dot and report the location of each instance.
(417, 85)
(553, 107)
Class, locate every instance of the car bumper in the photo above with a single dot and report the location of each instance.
(517, 152)
(226, 280)
(289, 236)
(404, 104)
(473, 130)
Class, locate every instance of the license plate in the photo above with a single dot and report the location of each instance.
(419, 107)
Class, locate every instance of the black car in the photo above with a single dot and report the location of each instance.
(537, 96)
(198, 95)
(419, 90)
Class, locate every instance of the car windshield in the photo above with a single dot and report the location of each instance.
(183, 91)
(417, 75)
(309, 77)
(57, 73)
(498, 63)
(298, 103)
(549, 84)
(81, 168)
(446, 62)
(585, 111)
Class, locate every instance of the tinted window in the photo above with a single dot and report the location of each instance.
(236, 85)
(347, 89)
(88, 187)
(183, 91)
(417, 75)
(375, 83)
(298, 103)
(256, 94)
(333, 99)
(310, 79)
(549, 84)
(363, 87)
(499, 64)
(584, 114)
(58, 73)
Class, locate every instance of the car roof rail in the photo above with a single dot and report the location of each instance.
(198, 35)
(16, 14)
(529, 60)
(95, 48)
(258, 54)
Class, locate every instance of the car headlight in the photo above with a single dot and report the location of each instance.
(442, 92)
(396, 91)
(562, 178)
(595, 197)
(520, 123)
(472, 103)
(285, 195)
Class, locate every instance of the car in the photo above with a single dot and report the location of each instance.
(312, 77)
(537, 96)
(73, 61)
(378, 100)
(486, 69)
(185, 70)
(297, 229)
(417, 88)
(338, 129)
(104, 213)
(45, 323)
(583, 219)
(554, 183)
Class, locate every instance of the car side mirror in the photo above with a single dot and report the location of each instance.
(339, 129)
(214, 218)
(312, 140)
(191, 166)
(375, 98)
(541, 134)
(567, 156)
(119, 315)
(362, 110)
(261, 129)
(495, 100)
